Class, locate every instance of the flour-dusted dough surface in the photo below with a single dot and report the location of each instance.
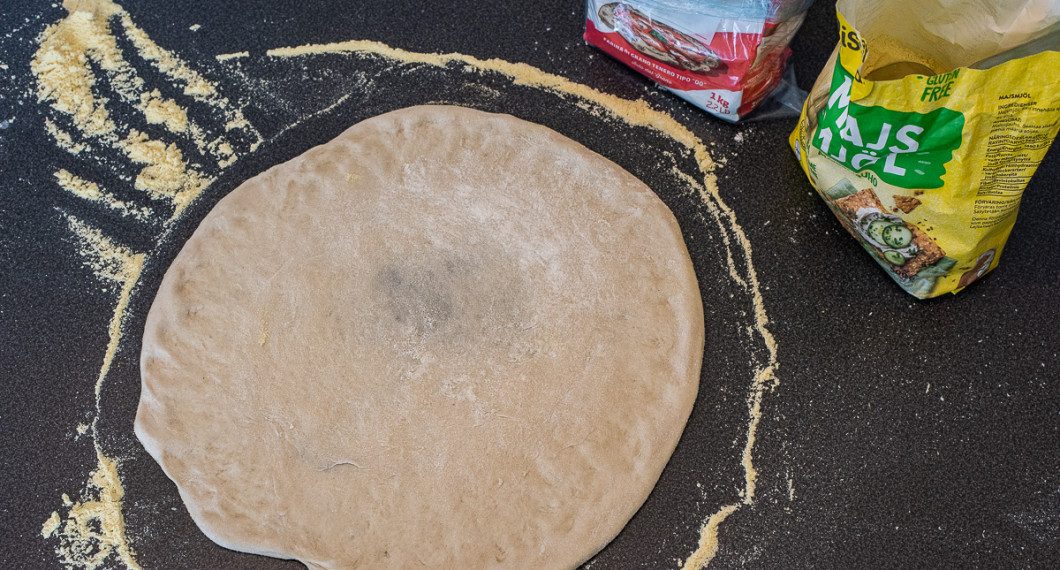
(446, 338)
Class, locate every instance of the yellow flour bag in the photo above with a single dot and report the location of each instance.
(926, 125)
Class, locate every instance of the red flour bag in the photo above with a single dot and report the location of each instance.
(724, 56)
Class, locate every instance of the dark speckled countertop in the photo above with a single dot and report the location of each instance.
(900, 433)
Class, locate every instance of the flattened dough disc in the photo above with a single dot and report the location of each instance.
(446, 338)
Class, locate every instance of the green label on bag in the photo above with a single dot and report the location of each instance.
(908, 150)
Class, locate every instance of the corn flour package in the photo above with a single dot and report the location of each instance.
(925, 127)
(724, 56)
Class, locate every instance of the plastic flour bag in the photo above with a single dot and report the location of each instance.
(726, 56)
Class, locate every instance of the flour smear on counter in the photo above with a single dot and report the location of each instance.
(82, 71)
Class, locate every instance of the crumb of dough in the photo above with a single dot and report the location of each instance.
(78, 186)
(237, 55)
(91, 191)
(708, 540)
(50, 525)
(94, 529)
(158, 110)
(63, 138)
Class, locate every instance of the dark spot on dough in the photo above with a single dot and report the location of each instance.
(461, 301)
(417, 297)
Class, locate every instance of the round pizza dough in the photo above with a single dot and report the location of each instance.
(446, 338)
